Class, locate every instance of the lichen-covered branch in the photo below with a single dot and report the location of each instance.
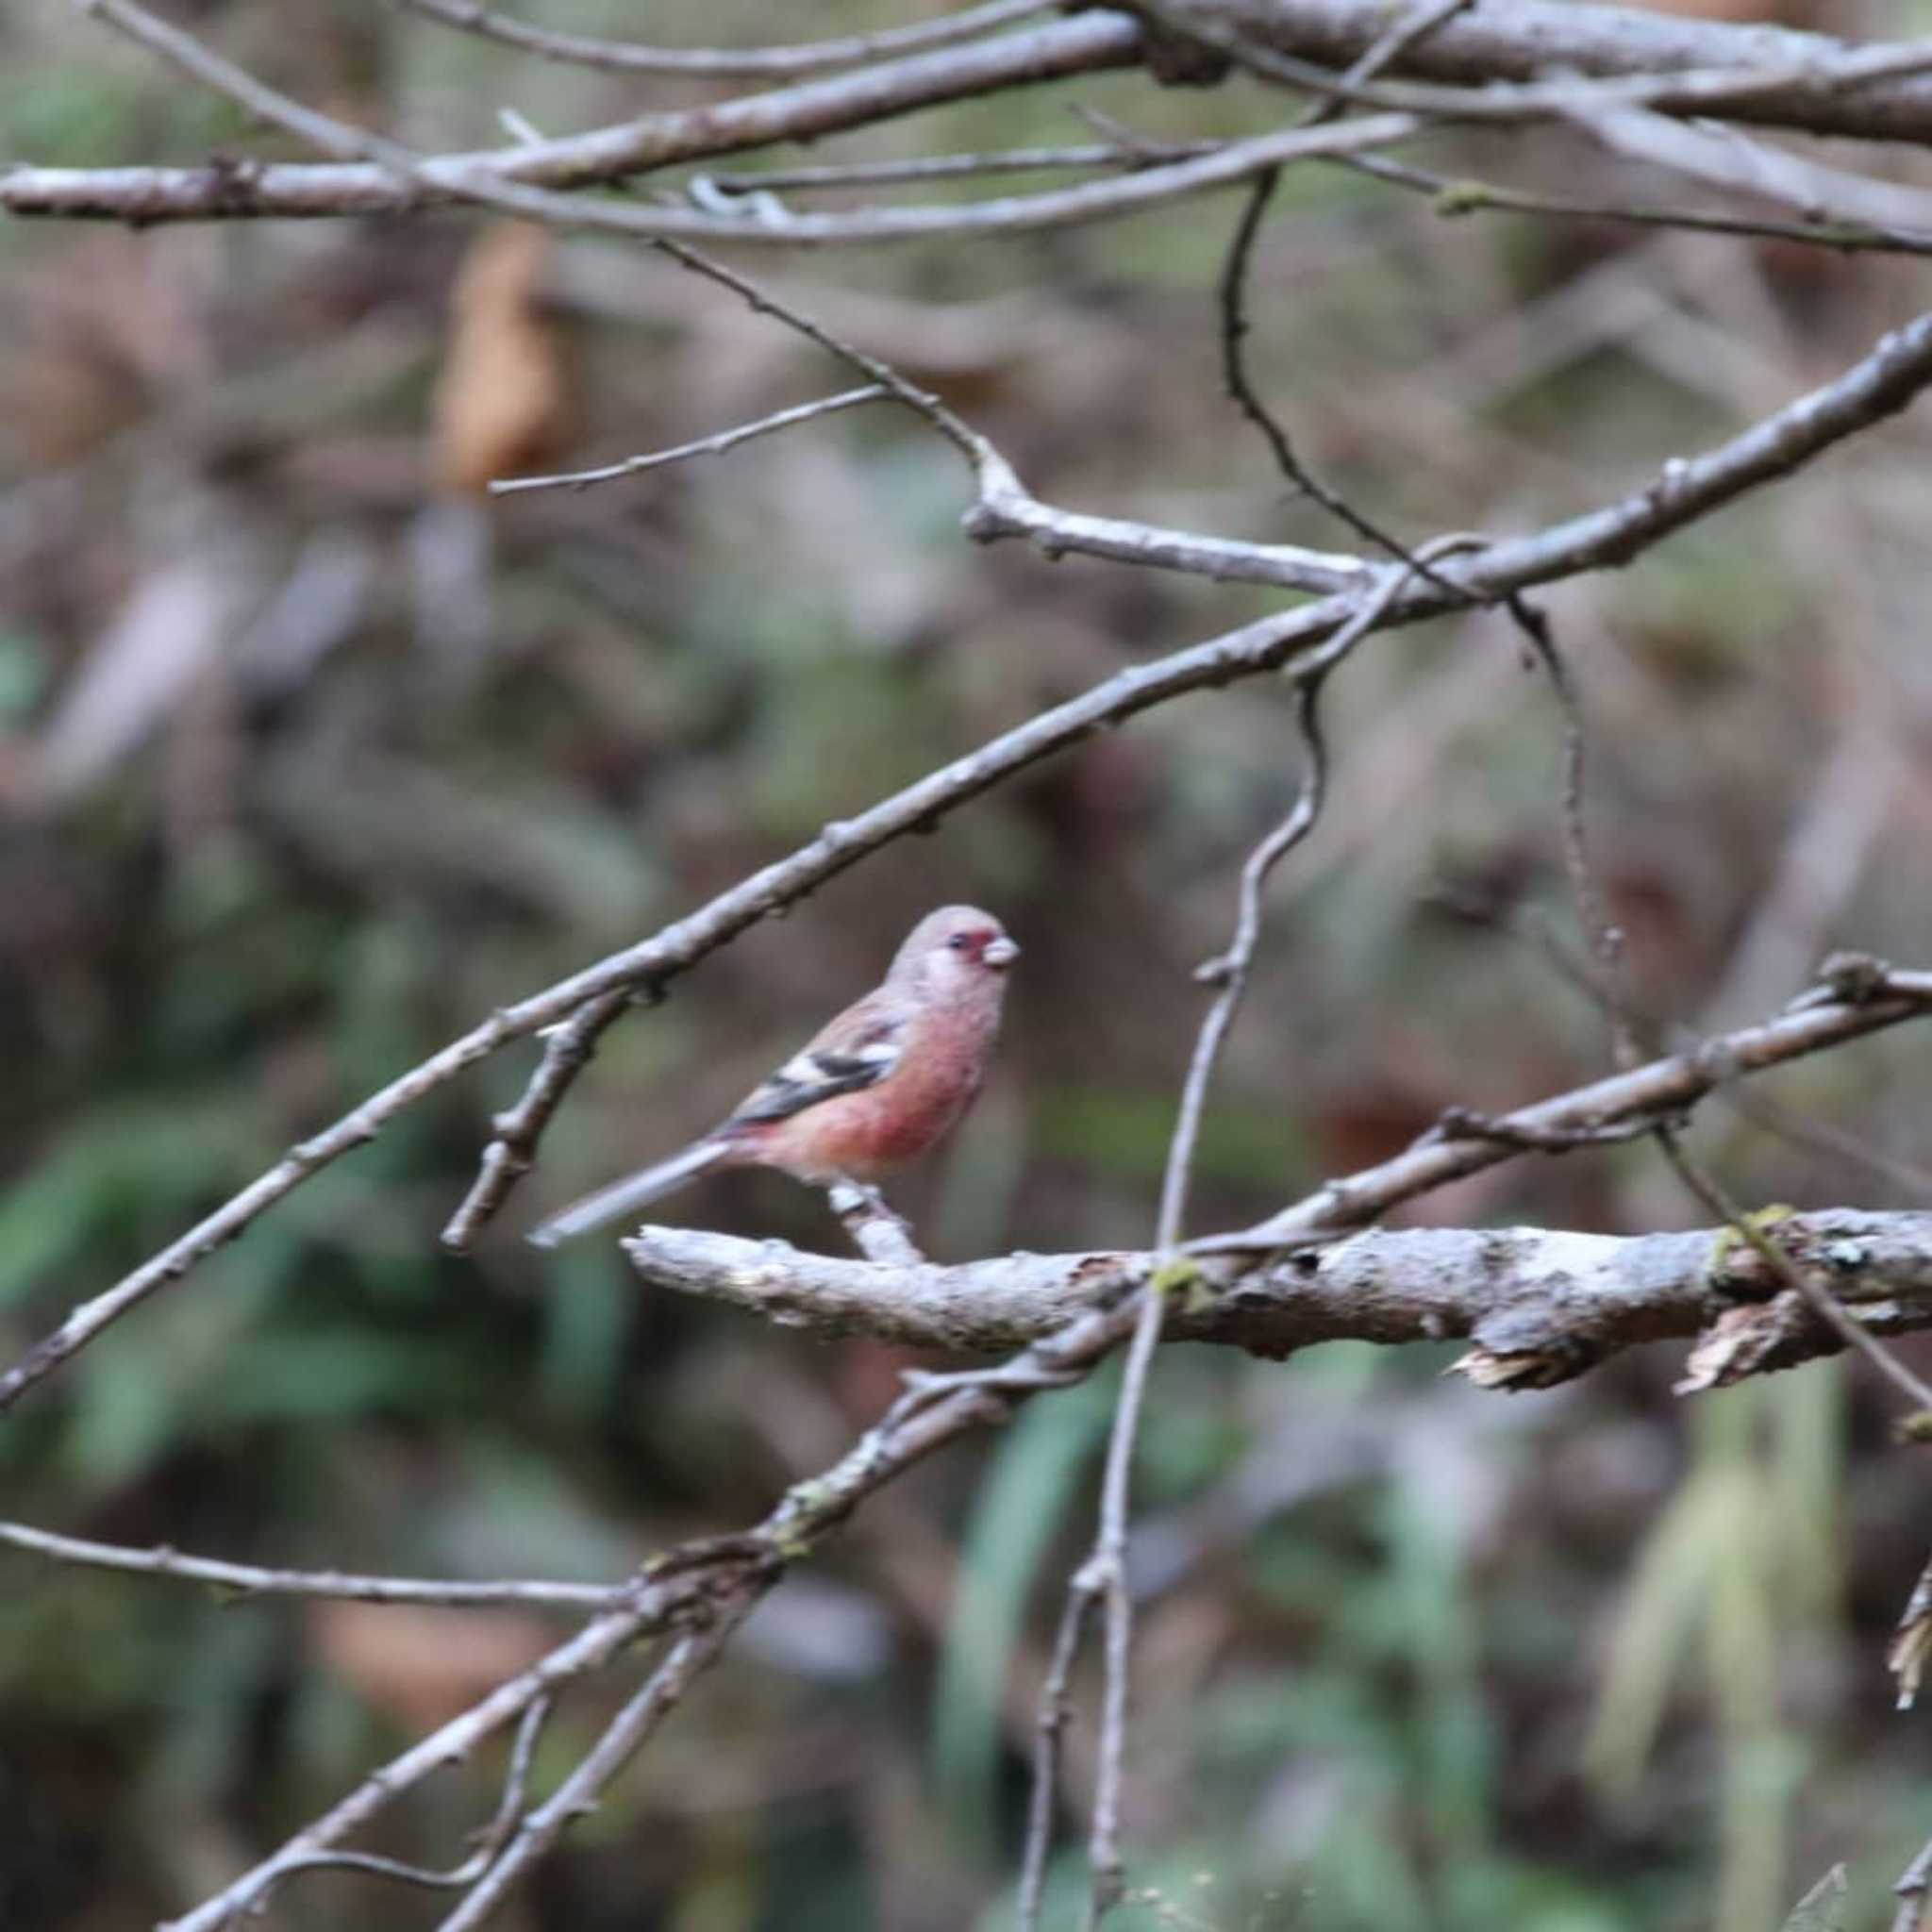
(1541, 1304)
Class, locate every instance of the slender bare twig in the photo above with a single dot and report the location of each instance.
(1606, 944)
(702, 446)
(229, 190)
(1054, 1714)
(1528, 39)
(690, 1654)
(1232, 292)
(1882, 382)
(596, 1646)
(1104, 1572)
(1013, 160)
(764, 220)
(248, 1579)
(567, 1050)
(1836, 1142)
(495, 185)
(490, 1841)
(1231, 295)
(1466, 1123)
(1659, 1088)
(482, 179)
(1407, 30)
(1604, 973)
(1458, 195)
(1726, 158)
(630, 56)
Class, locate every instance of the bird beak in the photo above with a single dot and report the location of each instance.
(1000, 951)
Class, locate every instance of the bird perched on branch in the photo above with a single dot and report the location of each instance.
(879, 1086)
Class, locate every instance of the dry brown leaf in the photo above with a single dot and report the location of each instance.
(502, 405)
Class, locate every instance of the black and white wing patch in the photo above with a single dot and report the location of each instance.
(821, 1073)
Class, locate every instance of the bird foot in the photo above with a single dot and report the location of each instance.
(877, 1231)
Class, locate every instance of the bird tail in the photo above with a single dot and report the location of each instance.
(633, 1191)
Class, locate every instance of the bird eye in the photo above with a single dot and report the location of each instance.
(961, 942)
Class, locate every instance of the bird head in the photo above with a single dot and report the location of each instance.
(957, 949)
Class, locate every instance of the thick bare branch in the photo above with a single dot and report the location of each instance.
(1520, 40)
(249, 1579)
(1544, 1305)
(1459, 196)
(227, 188)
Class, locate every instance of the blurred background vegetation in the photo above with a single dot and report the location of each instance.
(310, 757)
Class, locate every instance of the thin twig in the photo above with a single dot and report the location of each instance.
(702, 446)
(693, 1653)
(1601, 935)
(1466, 1123)
(702, 1585)
(248, 1579)
(1013, 160)
(806, 112)
(766, 221)
(567, 1050)
(1605, 945)
(1726, 158)
(507, 181)
(490, 1841)
(1104, 1572)
(629, 56)
(1407, 30)
(1234, 330)
(1458, 195)
(1654, 1091)
(1836, 1142)
(1665, 59)
(1054, 1714)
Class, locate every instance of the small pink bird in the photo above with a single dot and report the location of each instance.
(882, 1084)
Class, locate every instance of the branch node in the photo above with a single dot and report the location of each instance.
(1856, 979)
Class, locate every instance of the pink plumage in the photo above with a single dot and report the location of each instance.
(880, 1085)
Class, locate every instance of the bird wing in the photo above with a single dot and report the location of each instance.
(856, 1051)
